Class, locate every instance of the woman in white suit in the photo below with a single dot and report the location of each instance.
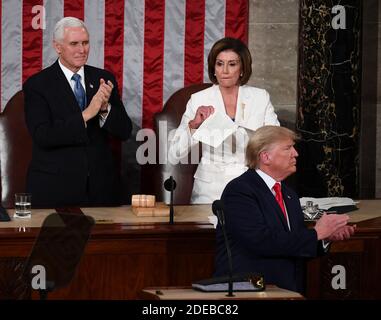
(229, 68)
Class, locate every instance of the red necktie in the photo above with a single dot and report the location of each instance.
(279, 198)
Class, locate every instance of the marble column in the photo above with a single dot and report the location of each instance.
(329, 98)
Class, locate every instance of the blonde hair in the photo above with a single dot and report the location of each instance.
(263, 139)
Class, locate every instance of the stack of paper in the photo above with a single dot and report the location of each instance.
(213, 220)
(241, 282)
(328, 203)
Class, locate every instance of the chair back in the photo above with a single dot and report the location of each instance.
(15, 150)
(153, 176)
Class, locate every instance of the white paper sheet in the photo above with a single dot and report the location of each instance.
(215, 129)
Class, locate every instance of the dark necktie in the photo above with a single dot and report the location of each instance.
(279, 198)
(79, 92)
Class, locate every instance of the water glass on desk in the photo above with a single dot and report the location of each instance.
(23, 205)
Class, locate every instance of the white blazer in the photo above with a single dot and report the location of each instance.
(220, 165)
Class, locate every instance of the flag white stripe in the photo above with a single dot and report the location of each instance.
(174, 32)
(95, 22)
(133, 59)
(214, 28)
(133, 55)
(11, 49)
(53, 13)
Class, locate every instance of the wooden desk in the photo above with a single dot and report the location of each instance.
(360, 255)
(166, 293)
(126, 254)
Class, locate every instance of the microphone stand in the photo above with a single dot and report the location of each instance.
(229, 253)
(171, 211)
(218, 210)
(170, 185)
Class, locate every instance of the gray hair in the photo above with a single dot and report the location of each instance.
(263, 139)
(66, 22)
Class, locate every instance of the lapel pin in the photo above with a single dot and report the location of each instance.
(91, 86)
(288, 197)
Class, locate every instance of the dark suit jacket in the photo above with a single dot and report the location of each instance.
(71, 164)
(259, 237)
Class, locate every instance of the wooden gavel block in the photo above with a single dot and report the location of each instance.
(144, 205)
(143, 201)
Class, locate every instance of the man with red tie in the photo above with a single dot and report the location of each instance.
(264, 219)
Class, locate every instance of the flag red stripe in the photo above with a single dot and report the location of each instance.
(113, 55)
(153, 60)
(74, 8)
(237, 19)
(194, 42)
(1, 23)
(31, 40)
(114, 36)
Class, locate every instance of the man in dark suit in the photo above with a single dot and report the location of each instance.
(264, 219)
(71, 110)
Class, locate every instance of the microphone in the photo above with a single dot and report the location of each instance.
(170, 185)
(218, 210)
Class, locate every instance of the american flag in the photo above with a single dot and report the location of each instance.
(153, 47)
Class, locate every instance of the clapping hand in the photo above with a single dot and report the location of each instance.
(329, 224)
(99, 102)
(105, 90)
(342, 233)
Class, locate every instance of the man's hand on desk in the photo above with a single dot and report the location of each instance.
(328, 224)
(343, 233)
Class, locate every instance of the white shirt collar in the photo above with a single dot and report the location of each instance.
(68, 74)
(270, 184)
(270, 181)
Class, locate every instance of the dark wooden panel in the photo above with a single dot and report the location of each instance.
(11, 286)
(361, 258)
(120, 260)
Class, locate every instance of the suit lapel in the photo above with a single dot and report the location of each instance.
(218, 100)
(290, 203)
(245, 103)
(270, 199)
(66, 94)
(92, 84)
(241, 98)
(241, 113)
